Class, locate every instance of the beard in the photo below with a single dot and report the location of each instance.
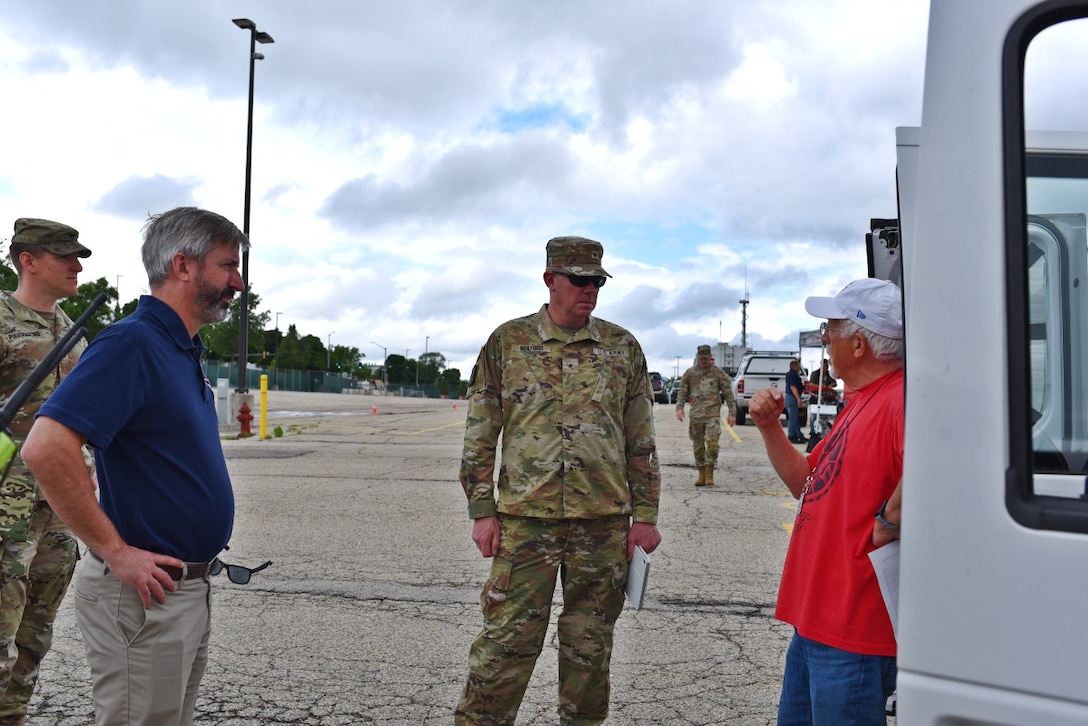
(831, 371)
(214, 302)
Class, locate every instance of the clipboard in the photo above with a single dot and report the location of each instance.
(638, 574)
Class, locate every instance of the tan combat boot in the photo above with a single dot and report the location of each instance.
(708, 478)
(701, 481)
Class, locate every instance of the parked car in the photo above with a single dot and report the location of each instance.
(657, 383)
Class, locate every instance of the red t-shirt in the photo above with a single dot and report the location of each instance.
(829, 591)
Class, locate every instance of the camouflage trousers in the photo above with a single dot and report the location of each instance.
(590, 558)
(704, 435)
(34, 576)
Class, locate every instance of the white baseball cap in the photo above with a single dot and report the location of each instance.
(875, 305)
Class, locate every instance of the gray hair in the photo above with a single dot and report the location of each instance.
(185, 230)
(883, 347)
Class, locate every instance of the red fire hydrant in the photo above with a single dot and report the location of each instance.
(245, 417)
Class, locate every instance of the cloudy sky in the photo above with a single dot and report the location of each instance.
(412, 158)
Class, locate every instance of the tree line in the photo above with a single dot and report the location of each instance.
(267, 348)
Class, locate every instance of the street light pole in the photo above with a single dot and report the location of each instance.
(328, 352)
(385, 360)
(255, 36)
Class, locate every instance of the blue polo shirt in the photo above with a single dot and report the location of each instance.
(140, 397)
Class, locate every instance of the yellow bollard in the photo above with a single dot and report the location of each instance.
(264, 407)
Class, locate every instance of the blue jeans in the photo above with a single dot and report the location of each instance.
(825, 686)
(793, 420)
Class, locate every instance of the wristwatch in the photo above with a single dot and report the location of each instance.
(880, 517)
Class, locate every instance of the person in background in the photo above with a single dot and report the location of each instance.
(705, 385)
(841, 662)
(821, 380)
(578, 489)
(794, 387)
(140, 397)
(38, 552)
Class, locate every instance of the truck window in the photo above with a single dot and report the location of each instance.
(1048, 267)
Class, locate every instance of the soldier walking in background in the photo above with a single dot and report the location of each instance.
(38, 552)
(706, 386)
(578, 489)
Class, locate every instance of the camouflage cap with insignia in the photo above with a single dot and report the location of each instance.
(576, 256)
(60, 239)
(703, 351)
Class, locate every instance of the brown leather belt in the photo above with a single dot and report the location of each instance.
(193, 570)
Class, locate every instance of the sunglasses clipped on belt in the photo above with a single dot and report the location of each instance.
(236, 573)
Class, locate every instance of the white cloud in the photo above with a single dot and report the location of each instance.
(411, 160)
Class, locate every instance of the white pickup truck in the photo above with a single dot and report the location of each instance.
(760, 369)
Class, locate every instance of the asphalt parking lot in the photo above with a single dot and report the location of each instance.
(368, 611)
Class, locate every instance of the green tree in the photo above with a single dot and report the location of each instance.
(222, 338)
(344, 358)
(8, 279)
(312, 353)
(397, 366)
(270, 346)
(288, 354)
(85, 295)
(431, 366)
(128, 308)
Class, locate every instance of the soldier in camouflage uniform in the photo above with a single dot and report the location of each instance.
(38, 552)
(705, 385)
(578, 488)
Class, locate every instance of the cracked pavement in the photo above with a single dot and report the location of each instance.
(368, 611)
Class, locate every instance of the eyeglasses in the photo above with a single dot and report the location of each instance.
(236, 573)
(825, 329)
(584, 280)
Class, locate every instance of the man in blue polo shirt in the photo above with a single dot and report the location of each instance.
(140, 398)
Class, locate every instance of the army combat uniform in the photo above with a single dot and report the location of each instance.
(705, 388)
(579, 462)
(39, 553)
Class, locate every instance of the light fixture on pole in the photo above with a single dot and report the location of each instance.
(385, 359)
(328, 352)
(255, 36)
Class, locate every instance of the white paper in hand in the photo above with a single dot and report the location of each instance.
(638, 573)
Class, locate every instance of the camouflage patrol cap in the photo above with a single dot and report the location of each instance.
(703, 351)
(575, 255)
(60, 239)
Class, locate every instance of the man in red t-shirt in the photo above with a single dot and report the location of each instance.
(840, 666)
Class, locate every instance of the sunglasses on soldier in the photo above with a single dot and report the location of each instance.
(584, 280)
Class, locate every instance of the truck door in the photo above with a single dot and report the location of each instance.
(994, 571)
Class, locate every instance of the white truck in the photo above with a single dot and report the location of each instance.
(990, 250)
(760, 369)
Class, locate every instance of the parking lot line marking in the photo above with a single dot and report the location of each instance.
(437, 428)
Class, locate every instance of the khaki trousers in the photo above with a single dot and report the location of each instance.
(146, 665)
